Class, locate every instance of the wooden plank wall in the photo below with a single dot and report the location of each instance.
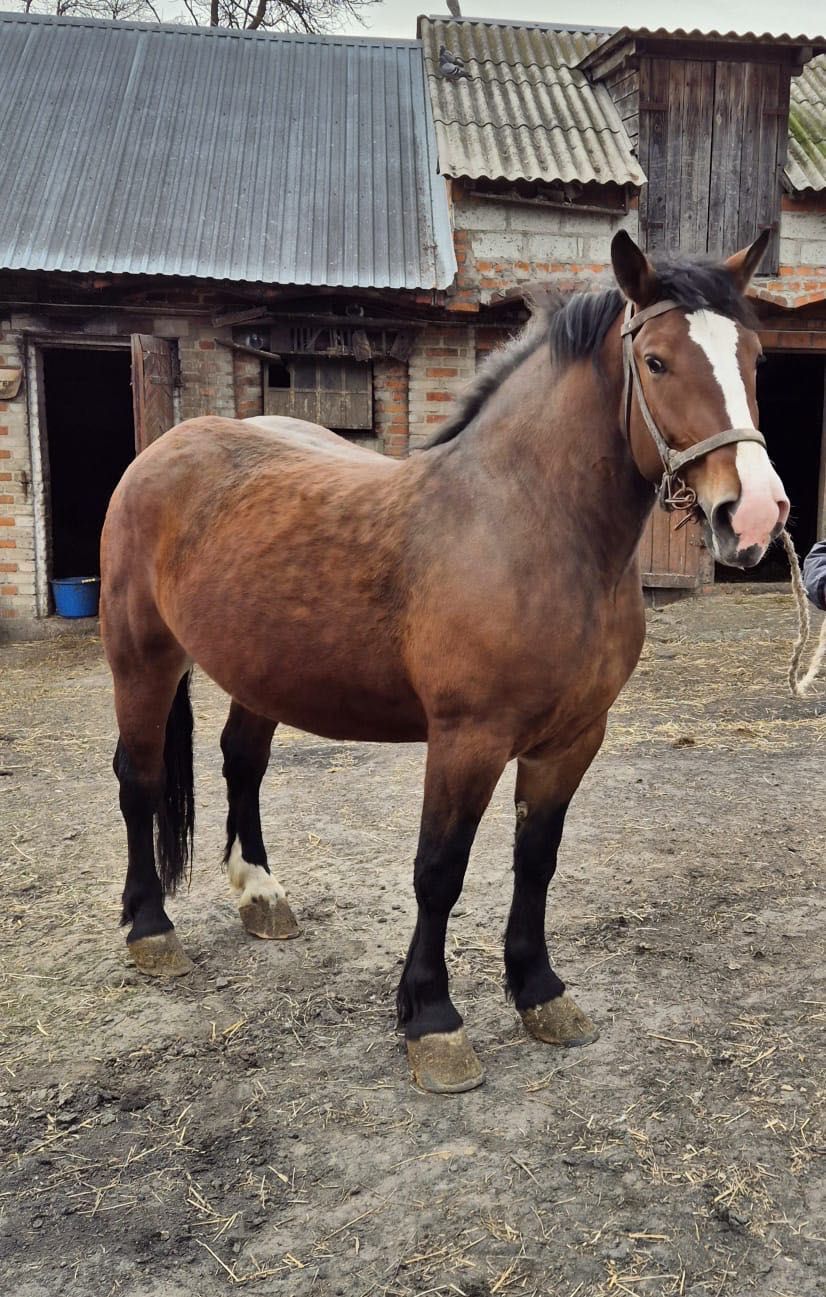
(712, 141)
(623, 87)
(670, 558)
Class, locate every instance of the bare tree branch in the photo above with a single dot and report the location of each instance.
(309, 16)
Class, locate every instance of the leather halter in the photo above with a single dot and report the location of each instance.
(673, 492)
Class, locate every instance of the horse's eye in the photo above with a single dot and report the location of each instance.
(656, 366)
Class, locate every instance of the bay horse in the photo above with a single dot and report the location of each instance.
(483, 596)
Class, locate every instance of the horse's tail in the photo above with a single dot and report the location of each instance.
(175, 817)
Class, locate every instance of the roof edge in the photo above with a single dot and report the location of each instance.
(810, 44)
(583, 28)
(211, 33)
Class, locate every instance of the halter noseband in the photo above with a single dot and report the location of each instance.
(673, 492)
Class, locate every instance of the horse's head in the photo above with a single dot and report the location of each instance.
(696, 363)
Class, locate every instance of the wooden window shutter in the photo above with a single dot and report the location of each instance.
(334, 392)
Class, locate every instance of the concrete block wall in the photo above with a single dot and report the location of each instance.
(802, 237)
(501, 244)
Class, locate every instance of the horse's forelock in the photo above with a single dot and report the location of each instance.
(699, 285)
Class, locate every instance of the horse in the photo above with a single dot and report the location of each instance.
(482, 596)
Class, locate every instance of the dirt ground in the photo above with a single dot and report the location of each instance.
(254, 1125)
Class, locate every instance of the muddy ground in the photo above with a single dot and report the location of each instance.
(254, 1125)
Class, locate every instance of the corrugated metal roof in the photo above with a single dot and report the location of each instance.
(524, 112)
(806, 162)
(140, 149)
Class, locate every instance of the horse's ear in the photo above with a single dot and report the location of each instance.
(744, 263)
(635, 275)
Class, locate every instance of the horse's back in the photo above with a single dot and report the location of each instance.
(299, 434)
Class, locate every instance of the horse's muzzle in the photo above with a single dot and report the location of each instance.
(727, 547)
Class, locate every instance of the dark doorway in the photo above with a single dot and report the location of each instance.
(790, 393)
(91, 440)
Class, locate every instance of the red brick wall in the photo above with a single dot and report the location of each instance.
(249, 385)
(390, 406)
(441, 364)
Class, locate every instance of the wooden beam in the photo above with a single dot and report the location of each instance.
(250, 351)
(670, 580)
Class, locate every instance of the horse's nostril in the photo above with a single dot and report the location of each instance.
(721, 516)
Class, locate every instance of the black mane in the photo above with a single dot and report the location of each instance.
(576, 327)
(577, 330)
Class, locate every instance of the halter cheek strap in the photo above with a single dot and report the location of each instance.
(673, 491)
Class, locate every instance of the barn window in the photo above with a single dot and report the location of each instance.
(337, 393)
(279, 375)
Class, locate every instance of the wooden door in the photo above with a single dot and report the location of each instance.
(671, 559)
(153, 384)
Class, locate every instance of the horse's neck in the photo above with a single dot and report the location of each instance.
(552, 437)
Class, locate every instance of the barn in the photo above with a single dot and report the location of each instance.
(199, 221)
(228, 222)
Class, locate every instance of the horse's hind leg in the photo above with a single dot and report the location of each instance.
(153, 763)
(262, 901)
(545, 783)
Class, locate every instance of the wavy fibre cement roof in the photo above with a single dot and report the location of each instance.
(524, 111)
(806, 161)
(149, 149)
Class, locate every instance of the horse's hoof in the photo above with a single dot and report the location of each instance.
(444, 1063)
(268, 919)
(160, 956)
(560, 1022)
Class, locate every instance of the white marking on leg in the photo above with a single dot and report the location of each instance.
(251, 882)
(763, 500)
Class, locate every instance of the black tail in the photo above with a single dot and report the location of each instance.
(175, 817)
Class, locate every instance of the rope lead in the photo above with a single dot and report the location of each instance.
(799, 680)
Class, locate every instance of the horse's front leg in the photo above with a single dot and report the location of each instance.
(462, 771)
(545, 783)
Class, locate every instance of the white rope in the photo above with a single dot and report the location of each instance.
(799, 680)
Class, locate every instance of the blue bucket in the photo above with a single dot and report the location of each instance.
(76, 596)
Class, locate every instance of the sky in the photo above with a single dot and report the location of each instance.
(795, 17)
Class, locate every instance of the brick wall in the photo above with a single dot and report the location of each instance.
(249, 385)
(17, 524)
(207, 375)
(390, 406)
(208, 386)
(442, 361)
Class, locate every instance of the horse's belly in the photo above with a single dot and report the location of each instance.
(341, 713)
(365, 696)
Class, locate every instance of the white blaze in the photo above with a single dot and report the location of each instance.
(762, 498)
(251, 882)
